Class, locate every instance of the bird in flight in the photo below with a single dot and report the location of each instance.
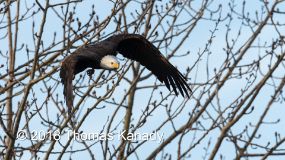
(101, 55)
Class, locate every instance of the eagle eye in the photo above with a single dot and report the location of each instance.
(112, 62)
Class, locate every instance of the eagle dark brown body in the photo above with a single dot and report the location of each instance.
(132, 46)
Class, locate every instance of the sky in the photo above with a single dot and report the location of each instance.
(195, 43)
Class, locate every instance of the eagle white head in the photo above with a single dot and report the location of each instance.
(109, 62)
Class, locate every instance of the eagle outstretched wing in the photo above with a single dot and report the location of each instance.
(72, 65)
(138, 48)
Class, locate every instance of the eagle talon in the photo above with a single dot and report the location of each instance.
(90, 72)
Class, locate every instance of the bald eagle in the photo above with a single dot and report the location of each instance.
(102, 56)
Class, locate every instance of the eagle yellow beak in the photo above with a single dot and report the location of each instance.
(116, 65)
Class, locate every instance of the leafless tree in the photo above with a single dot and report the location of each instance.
(232, 53)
